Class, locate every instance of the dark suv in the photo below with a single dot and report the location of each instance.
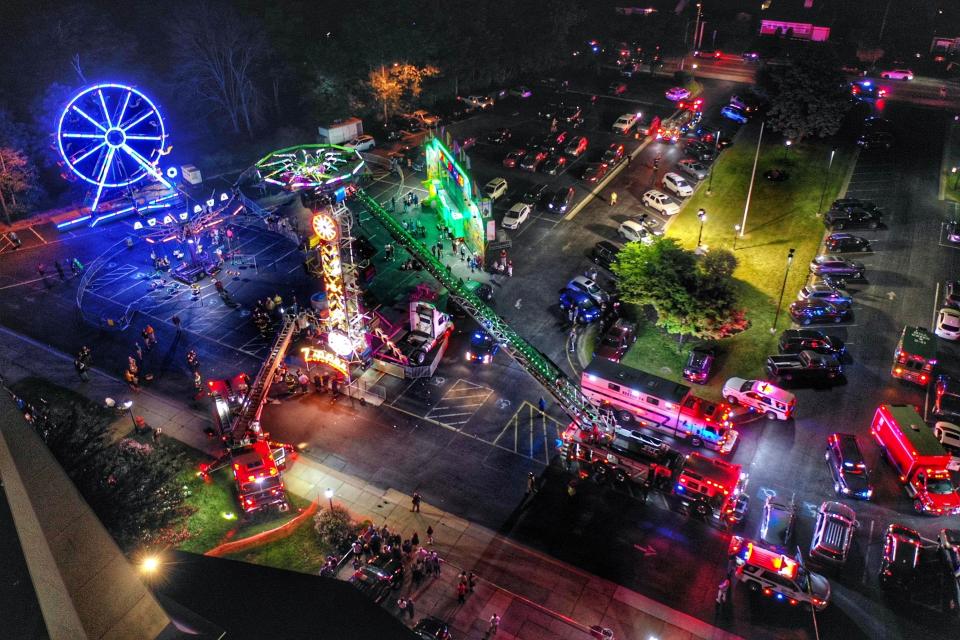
(561, 200)
(846, 242)
(372, 582)
(797, 340)
(849, 217)
(605, 253)
(830, 265)
(617, 340)
(901, 557)
(699, 364)
(391, 566)
(807, 312)
(851, 479)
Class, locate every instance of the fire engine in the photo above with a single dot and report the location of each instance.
(918, 457)
(915, 356)
(228, 395)
(658, 404)
(675, 126)
(258, 477)
(714, 489)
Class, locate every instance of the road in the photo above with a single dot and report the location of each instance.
(466, 438)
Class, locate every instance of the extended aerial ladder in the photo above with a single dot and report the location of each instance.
(565, 391)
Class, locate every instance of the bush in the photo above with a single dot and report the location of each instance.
(334, 525)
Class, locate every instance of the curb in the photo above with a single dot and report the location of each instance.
(279, 533)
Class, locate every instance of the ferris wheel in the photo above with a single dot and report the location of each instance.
(111, 135)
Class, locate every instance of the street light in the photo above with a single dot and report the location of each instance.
(702, 216)
(956, 179)
(753, 175)
(826, 175)
(736, 232)
(329, 495)
(128, 405)
(786, 146)
(716, 152)
(776, 318)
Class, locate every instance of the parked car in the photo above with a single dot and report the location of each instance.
(849, 217)
(857, 203)
(659, 201)
(760, 396)
(806, 366)
(699, 364)
(363, 142)
(846, 242)
(693, 168)
(633, 231)
(948, 548)
(431, 628)
(825, 292)
(572, 114)
(948, 324)
(613, 154)
(521, 91)
(532, 161)
(372, 582)
(577, 146)
(535, 194)
(468, 143)
(561, 200)
(833, 533)
(951, 294)
(427, 118)
(899, 564)
(851, 478)
(495, 188)
(707, 53)
(483, 347)
(604, 253)
(829, 264)
(806, 312)
(677, 93)
(615, 342)
(676, 185)
(479, 102)
(513, 158)
(554, 164)
(797, 340)
(617, 88)
(625, 123)
(952, 230)
(585, 307)
(732, 113)
(499, 136)
(876, 140)
(516, 216)
(595, 172)
(897, 74)
(777, 525)
(948, 434)
(700, 151)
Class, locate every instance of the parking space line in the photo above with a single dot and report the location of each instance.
(38, 235)
(936, 300)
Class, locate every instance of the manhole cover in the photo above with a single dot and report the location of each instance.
(503, 403)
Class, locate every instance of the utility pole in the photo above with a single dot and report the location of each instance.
(746, 207)
(697, 36)
(783, 287)
(826, 175)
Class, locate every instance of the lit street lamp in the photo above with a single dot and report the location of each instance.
(702, 216)
(786, 146)
(786, 271)
(736, 232)
(827, 175)
(956, 178)
(128, 405)
(329, 495)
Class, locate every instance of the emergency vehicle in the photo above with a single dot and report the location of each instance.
(258, 477)
(915, 356)
(623, 456)
(920, 460)
(715, 489)
(778, 576)
(760, 396)
(658, 404)
(228, 395)
(675, 126)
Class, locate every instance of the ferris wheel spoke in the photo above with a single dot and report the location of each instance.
(137, 121)
(123, 109)
(97, 136)
(103, 103)
(136, 137)
(143, 162)
(92, 121)
(103, 176)
(88, 153)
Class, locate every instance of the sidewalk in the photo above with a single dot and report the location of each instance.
(536, 596)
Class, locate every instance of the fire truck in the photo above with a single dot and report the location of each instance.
(227, 396)
(658, 404)
(257, 472)
(915, 356)
(920, 460)
(675, 126)
(714, 489)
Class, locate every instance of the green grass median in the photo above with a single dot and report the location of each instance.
(950, 168)
(782, 215)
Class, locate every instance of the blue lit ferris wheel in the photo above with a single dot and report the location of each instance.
(111, 135)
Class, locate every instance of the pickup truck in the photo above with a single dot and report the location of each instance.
(806, 365)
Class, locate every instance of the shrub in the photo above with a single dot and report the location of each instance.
(334, 525)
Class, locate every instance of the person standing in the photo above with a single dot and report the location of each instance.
(494, 626)
(415, 540)
(471, 581)
(416, 502)
(410, 608)
(531, 483)
(60, 274)
(176, 322)
(41, 271)
(613, 198)
(429, 534)
(542, 404)
(402, 605)
(81, 368)
(462, 592)
(509, 268)
(722, 590)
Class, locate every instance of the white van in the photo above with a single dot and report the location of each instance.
(677, 185)
(760, 396)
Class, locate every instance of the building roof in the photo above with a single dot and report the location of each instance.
(821, 13)
(253, 601)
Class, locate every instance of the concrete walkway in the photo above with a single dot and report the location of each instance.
(537, 597)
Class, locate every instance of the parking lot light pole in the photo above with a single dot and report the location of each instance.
(753, 175)
(736, 232)
(826, 176)
(786, 146)
(702, 216)
(716, 152)
(956, 178)
(783, 287)
(329, 495)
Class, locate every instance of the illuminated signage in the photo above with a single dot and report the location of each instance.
(313, 355)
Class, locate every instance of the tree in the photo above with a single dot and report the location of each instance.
(807, 97)
(334, 525)
(393, 85)
(17, 178)
(690, 296)
(218, 55)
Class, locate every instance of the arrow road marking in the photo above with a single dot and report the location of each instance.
(645, 550)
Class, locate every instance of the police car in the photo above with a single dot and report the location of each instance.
(778, 576)
(483, 347)
(760, 396)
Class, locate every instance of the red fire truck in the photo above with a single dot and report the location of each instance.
(920, 460)
(658, 404)
(259, 481)
(915, 356)
(712, 488)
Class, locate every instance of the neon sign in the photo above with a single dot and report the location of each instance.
(313, 355)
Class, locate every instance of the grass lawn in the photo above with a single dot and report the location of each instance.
(951, 159)
(782, 216)
(302, 551)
